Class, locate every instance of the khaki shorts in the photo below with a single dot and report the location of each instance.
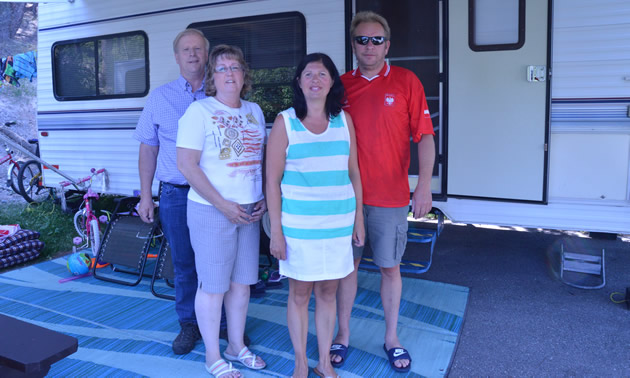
(386, 231)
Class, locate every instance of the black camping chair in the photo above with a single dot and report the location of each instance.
(125, 245)
(163, 270)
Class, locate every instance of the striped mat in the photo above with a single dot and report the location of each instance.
(127, 332)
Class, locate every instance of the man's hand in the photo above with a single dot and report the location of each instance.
(146, 209)
(147, 161)
(422, 197)
(421, 202)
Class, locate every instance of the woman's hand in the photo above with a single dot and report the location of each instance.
(259, 210)
(234, 212)
(358, 234)
(278, 246)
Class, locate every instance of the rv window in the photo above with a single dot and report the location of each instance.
(273, 45)
(496, 24)
(111, 66)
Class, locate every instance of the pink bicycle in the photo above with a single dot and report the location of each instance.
(14, 165)
(86, 222)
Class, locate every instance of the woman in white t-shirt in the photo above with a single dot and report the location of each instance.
(220, 150)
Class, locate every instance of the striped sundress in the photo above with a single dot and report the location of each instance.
(318, 203)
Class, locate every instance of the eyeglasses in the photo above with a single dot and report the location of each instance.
(363, 40)
(224, 69)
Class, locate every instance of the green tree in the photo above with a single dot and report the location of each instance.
(272, 90)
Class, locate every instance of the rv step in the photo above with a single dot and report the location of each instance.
(583, 264)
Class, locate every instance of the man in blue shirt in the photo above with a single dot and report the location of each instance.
(157, 133)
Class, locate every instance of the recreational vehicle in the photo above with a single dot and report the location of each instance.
(529, 98)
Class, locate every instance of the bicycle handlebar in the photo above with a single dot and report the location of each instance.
(94, 172)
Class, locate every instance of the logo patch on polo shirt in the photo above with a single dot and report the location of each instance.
(389, 99)
(427, 114)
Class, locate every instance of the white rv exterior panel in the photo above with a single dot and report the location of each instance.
(79, 11)
(591, 53)
(77, 157)
(590, 124)
(601, 158)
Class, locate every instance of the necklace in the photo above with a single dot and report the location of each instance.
(235, 105)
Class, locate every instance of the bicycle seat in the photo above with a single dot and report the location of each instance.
(33, 141)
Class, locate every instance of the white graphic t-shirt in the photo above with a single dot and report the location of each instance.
(231, 142)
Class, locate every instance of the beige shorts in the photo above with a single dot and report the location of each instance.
(386, 232)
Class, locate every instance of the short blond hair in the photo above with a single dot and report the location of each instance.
(230, 52)
(190, 32)
(369, 16)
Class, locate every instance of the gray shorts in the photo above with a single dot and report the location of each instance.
(224, 251)
(386, 231)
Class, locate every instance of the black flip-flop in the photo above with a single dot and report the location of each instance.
(338, 350)
(396, 354)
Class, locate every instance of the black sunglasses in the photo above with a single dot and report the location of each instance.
(363, 40)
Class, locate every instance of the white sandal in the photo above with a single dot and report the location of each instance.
(221, 368)
(243, 356)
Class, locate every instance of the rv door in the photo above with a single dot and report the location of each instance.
(498, 96)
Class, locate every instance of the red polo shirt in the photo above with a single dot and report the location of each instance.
(387, 111)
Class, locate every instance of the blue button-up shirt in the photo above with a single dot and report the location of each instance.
(158, 122)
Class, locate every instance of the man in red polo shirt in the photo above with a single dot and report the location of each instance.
(388, 107)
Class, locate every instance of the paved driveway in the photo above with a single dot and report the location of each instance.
(522, 320)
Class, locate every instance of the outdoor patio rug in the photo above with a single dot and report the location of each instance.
(126, 331)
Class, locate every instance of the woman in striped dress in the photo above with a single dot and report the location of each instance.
(314, 199)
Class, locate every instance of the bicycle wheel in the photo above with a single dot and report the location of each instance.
(79, 222)
(95, 236)
(30, 182)
(14, 170)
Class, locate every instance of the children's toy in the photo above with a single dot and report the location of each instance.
(79, 263)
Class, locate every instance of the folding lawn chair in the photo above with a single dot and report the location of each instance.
(163, 270)
(125, 245)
